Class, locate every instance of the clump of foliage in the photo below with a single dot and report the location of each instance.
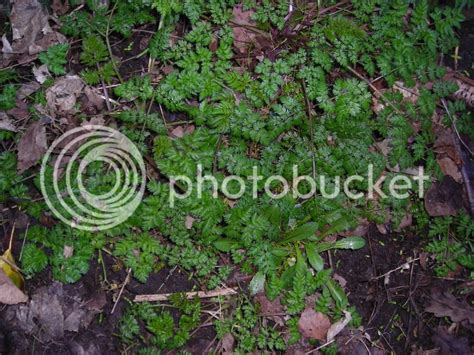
(165, 332)
(308, 107)
(451, 243)
(55, 58)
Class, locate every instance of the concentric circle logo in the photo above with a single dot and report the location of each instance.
(117, 167)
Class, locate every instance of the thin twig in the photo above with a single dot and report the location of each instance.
(189, 295)
(377, 92)
(403, 266)
(109, 47)
(24, 240)
(121, 290)
(321, 346)
(443, 101)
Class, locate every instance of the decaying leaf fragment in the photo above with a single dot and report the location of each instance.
(62, 96)
(314, 325)
(31, 33)
(11, 281)
(32, 146)
(444, 304)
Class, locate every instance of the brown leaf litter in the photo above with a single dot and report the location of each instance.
(444, 304)
(32, 146)
(62, 96)
(314, 325)
(52, 311)
(31, 33)
(444, 198)
(9, 292)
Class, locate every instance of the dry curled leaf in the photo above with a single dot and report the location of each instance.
(314, 325)
(444, 304)
(62, 96)
(31, 33)
(41, 73)
(32, 146)
(5, 123)
(9, 293)
(337, 327)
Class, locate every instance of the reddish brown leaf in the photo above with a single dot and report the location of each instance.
(314, 324)
(448, 167)
(32, 146)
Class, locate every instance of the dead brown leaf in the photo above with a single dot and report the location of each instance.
(337, 327)
(444, 198)
(228, 344)
(272, 310)
(359, 231)
(381, 228)
(94, 100)
(177, 132)
(188, 222)
(60, 7)
(5, 123)
(444, 304)
(20, 112)
(31, 33)
(243, 36)
(406, 221)
(314, 325)
(68, 251)
(384, 147)
(27, 89)
(445, 145)
(9, 293)
(448, 167)
(41, 73)
(52, 310)
(62, 96)
(32, 146)
(450, 343)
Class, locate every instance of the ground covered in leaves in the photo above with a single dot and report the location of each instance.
(331, 88)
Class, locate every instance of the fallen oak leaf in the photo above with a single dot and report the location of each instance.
(444, 304)
(32, 146)
(314, 325)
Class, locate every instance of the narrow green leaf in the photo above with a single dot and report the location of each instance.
(225, 245)
(353, 243)
(303, 232)
(280, 252)
(315, 260)
(337, 293)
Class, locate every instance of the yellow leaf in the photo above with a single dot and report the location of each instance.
(8, 265)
